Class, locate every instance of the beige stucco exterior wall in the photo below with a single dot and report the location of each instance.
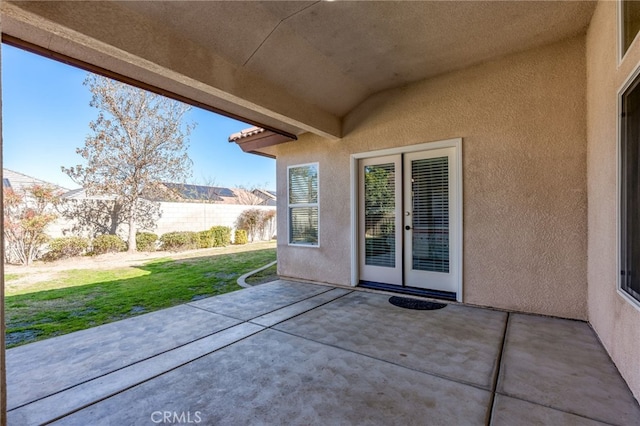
(615, 320)
(523, 123)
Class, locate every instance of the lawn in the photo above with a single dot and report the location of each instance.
(77, 299)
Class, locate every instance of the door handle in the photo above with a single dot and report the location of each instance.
(408, 228)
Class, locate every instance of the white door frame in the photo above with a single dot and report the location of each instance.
(354, 176)
(385, 274)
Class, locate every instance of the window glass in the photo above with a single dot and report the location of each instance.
(303, 204)
(304, 225)
(630, 192)
(380, 215)
(630, 22)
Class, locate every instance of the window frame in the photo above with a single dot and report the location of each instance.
(302, 205)
(631, 84)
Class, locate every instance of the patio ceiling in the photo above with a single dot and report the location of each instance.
(292, 66)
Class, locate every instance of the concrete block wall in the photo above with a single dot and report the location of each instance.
(199, 216)
(179, 217)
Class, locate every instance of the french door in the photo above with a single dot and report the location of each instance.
(408, 220)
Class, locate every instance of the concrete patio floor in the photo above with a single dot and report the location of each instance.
(294, 353)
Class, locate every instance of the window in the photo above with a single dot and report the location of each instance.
(303, 204)
(630, 191)
(630, 22)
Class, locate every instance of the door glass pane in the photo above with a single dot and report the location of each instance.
(380, 215)
(430, 203)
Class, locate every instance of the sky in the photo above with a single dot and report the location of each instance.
(46, 115)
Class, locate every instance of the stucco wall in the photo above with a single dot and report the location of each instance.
(523, 123)
(615, 320)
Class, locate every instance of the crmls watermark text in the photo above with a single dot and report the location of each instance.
(175, 417)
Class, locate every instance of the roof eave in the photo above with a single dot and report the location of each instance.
(254, 142)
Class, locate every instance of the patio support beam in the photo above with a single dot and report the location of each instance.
(118, 40)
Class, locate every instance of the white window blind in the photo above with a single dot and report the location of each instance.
(303, 204)
(430, 181)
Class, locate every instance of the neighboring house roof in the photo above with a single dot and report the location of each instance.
(269, 197)
(184, 191)
(19, 181)
(174, 192)
(243, 196)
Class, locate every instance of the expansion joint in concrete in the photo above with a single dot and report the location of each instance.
(494, 385)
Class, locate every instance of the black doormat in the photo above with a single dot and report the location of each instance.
(445, 295)
(422, 305)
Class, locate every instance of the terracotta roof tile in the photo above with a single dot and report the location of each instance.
(251, 131)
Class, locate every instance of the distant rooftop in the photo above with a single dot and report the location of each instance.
(17, 181)
(199, 192)
(175, 192)
(217, 194)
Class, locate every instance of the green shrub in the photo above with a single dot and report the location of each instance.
(175, 241)
(240, 237)
(108, 244)
(146, 241)
(217, 236)
(205, 239)
(221, 236)
(62, 248)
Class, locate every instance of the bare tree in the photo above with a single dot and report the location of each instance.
(244, 195)
(138, 139)
(26, 217)
(259, 224)
(250, 220)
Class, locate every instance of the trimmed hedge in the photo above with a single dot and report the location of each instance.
(146, 241)
(65, 247)
(221, 236)
(205, 239)
(240, 237)
(108, 244)
(176, 241)
(217, 236)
